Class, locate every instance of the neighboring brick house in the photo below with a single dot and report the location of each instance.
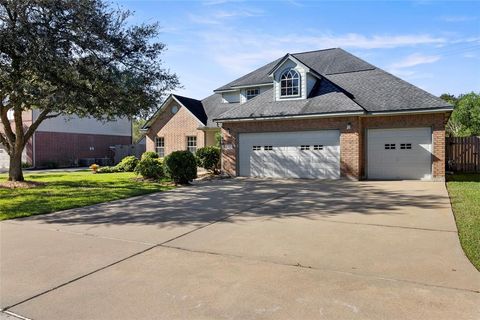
(68, 141)
(322, 114)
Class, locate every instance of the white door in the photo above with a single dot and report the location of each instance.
(304, 154)
(399, 153)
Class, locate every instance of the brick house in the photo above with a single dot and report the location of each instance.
(65, 141)
(322, 114)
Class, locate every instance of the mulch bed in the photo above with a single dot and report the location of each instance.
(20, 184)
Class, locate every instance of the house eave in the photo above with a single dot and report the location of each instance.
(293, 117)
(418, 111)
(235, 88)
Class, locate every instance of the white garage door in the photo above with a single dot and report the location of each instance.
(306, 154)
(399, 153)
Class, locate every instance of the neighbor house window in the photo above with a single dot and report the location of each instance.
(257, 148)
(304, 147)
(160, 146)
(389, 146)
(251, 93)
(290, 83)
(192, 144)
(318, 147)
(405, 146)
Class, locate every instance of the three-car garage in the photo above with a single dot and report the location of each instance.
(392, 153)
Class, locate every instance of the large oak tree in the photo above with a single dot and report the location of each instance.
(81, 57)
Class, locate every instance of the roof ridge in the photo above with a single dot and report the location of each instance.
(370, 69)
(316, 50)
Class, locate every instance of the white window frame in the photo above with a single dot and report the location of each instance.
(160, 146)
(251, 93)
(292, 75)
(192, 144)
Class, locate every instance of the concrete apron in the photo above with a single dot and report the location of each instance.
(297, 249)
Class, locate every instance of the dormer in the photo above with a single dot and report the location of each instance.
(292, 79)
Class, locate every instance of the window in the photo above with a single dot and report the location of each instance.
(160, 146)
(389, 146)
(405, 146)
(251, 93)
(267, 148)
(192, 144)
(304, 147)
(290, 83)
(318, 147)
(256, 148)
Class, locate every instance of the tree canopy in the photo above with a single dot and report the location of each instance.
(77, 57)
(465, 119)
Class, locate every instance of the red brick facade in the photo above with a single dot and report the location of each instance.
(65, 149)
(175, 128)
(352, 141)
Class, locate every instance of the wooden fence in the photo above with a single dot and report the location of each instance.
(463, 154)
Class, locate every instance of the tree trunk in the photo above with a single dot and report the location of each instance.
(15, 172)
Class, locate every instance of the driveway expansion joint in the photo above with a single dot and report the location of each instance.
(299, 265)
(132, 255)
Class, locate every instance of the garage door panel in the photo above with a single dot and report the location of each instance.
(399, 153)
(285, 158)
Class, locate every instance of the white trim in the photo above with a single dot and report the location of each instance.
(281, 62)
(310, 116)
(234, 88)
(382, 113)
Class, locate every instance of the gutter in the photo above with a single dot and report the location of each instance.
(293, 117)
(336, 114)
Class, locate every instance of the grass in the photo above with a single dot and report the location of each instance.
(66, 190)
(464, 190)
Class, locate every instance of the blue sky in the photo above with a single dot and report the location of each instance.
(432, 44)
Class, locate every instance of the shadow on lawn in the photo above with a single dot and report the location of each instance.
(210, 201)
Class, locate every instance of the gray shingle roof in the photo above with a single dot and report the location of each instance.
(377, 90)
(327, 61)
(258, 76)
(349, 84)
(194, 106)
(324, 99)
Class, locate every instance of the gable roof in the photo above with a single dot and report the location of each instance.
(347, 84)
(194, 106)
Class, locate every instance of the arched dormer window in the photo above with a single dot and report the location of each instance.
(290, 83)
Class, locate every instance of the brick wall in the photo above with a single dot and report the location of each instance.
(66, 148)
(175, 128)
(352, 142)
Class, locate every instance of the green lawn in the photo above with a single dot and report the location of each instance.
(464, 190)
(65, 190)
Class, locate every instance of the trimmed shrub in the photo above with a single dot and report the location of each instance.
(181, 166)
(108, 169)
(209, 158)
(150, 168)
(149, 155)
(127, 164)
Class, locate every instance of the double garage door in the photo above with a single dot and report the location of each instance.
(305, 154)
(391, 154)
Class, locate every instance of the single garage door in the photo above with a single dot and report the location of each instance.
(399, 153)
(305, 154)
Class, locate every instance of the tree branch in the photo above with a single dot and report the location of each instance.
(42, 116)
(6, 124)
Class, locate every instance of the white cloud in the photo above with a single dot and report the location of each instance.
(414, 60)
(457, 18)
(239, 52)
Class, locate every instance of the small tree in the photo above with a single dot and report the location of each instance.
(64, 57)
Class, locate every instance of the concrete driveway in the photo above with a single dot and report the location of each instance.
(245, 249)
